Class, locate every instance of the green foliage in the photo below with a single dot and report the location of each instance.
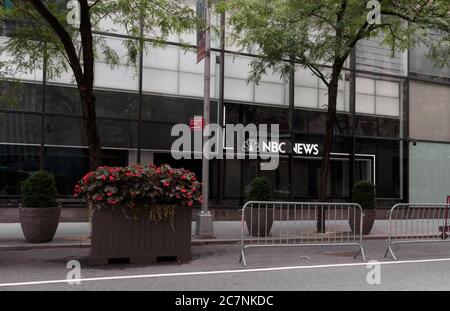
(364, 194)
(31, 35)
(140, 189)
(260, 190)
(39, 190)
(324, 32)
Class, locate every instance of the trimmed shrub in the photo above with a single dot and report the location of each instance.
(39, 190)
(364, 194)
(260, 190)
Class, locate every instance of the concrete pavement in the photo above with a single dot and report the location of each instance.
(77, 234)
(216, 268)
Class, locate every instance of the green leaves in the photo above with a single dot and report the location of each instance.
(325, 31)
(39, 190)
(260, 190)
(28, 30)
(364, 194)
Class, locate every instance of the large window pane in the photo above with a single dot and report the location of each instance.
(387, 158)
(429, 178)
(61, 99)
(420, 63)
(20, 96)
(118, 133)
(68, 166)
(67, 131)
(20, 128)
(16, 162)
(429, 112)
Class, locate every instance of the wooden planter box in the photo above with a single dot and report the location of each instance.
(114, 237)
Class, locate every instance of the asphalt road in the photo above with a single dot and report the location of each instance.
(216, 268)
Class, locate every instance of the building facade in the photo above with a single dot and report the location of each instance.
(401, 138)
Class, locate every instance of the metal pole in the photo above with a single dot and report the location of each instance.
(353, 123)
(43, 111)
(141, 64)
(204, 226)
(291, 127)
(222, 103)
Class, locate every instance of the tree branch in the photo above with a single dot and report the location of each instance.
(94, 4)
(87, 43)
(64, 36)
(319, 74)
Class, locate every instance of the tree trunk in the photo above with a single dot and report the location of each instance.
(85, 80)
(328, 143)
(90, 125)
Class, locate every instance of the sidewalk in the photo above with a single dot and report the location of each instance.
(77, 234)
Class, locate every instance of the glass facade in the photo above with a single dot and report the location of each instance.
(429, 172)
(377, 148)
(429, 148)
(392, 109)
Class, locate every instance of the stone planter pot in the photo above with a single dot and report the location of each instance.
(259, 225)
(115, 237)
(368, 220)
(39, 225)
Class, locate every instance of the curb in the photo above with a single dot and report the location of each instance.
(22, 247)
(196, 242)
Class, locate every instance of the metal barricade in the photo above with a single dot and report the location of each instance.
(417, 223)
(291, 224)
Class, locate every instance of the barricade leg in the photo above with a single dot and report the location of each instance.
(360, 252)
(389, 250)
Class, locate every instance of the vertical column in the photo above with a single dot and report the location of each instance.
(43, 110)
(141, 64)
(204, 226)
(353, 123)
(291, 127)
(222, 170)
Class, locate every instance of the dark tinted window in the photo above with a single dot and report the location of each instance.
(16, 162)
(20, 128)
(20, 96)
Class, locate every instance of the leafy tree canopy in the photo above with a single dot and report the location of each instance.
(28, 30)
(325, 31)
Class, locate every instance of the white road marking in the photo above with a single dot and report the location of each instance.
(181, 274)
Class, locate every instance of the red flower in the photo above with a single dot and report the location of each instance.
(77, 189)
(183, 190)
(87, 176)
(166, 184)
(111, 178)
(190, 203)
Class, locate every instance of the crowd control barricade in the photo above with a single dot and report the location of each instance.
(291, 224)
(417, 223)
